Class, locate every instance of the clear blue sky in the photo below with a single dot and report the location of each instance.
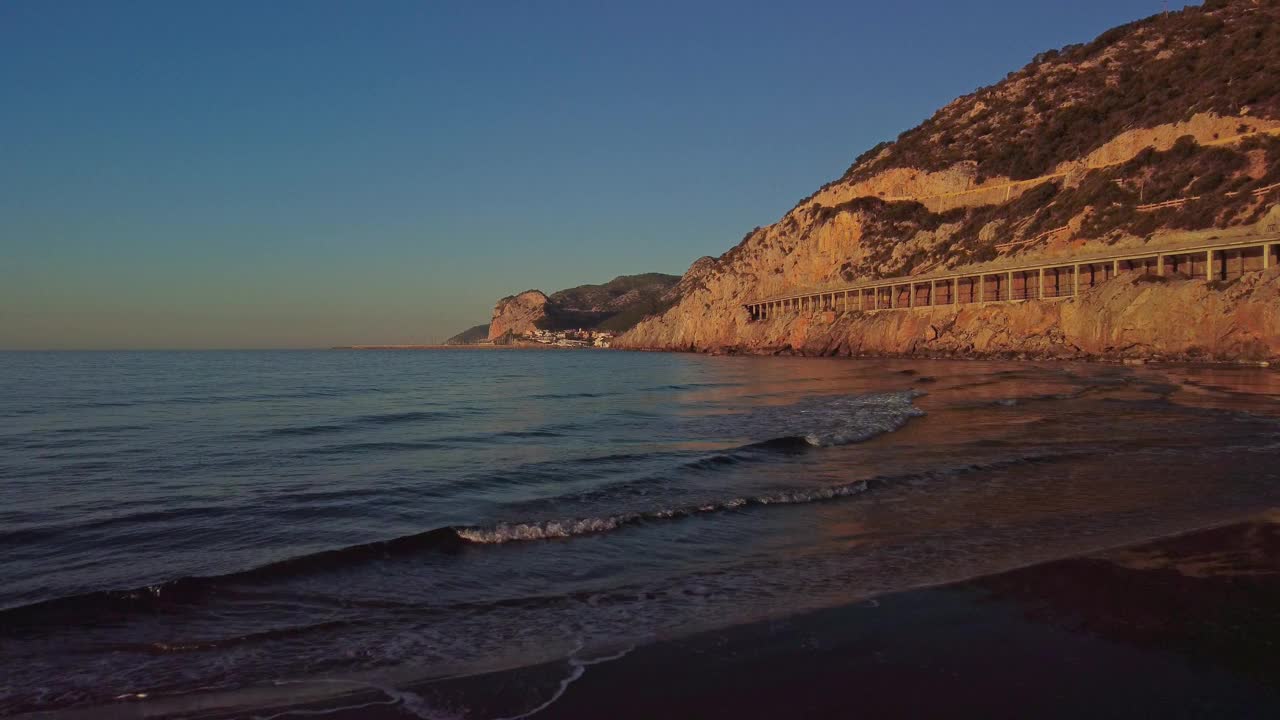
(293, 174)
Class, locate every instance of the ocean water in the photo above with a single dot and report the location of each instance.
(175, 526)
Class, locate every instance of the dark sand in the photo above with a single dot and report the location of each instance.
(1180, 627)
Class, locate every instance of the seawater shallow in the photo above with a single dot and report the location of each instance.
(181, 524)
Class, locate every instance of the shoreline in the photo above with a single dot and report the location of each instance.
(474, 346)
(1061, 639)
(1065, 637)
(1130, 317)
(1155, 361)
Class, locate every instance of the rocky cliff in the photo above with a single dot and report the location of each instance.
(1133, 316)
(519, 314)
(616, 305)
(1058, 158)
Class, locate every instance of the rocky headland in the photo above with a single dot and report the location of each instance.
(1061, 159)
(614, 306)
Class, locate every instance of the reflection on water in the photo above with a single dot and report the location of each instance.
(180, 522)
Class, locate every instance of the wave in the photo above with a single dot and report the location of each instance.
(822, 422)
(1017, 400)
(101, 429)
(753, 452)
(304, 430)
(19, 535)
(90, 607)
(572, 395)
(482, 438)
(790, 429)
(795, 429)
(181, 646)
(449, 539)
(677, 387)
(104, 404)
(405, 417)
(559, 529)
(375, 420)
(68, 438)
(369, 447)
(199, 588)
(830, 421)
(310, 393)
(522, 434)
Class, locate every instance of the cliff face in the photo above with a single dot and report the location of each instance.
(616, 305)
(1132, 316)
(1178, 106)
(518, 314)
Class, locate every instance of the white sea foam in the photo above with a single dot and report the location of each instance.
(821, 422)
(577, 667)
(828, 422)
(554, 529)
(551, 529)
(409, 702)
(804, 496)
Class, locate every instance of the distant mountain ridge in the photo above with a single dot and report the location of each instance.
(619, 294)
(470, 336)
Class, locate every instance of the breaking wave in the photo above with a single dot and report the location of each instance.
(87, 607)
(553, 529)
(445, 539)
(796, 428)
(559, 529)
(828, 421)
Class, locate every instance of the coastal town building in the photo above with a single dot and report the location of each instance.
(579, 338)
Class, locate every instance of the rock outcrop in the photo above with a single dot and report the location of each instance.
(519, 314)
(1133, 316)
(616, 305)
(1074, 143)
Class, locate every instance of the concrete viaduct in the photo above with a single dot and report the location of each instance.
(1045, 281)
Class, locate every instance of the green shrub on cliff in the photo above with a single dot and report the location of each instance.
(1222, 58)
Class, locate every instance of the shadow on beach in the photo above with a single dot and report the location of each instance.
(1181, 627)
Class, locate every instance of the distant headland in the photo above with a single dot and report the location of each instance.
(582, 316)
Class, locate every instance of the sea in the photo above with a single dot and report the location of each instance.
(182, 531)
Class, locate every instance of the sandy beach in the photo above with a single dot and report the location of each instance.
(1181, 627)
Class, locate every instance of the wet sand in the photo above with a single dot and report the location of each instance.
(1180, 627)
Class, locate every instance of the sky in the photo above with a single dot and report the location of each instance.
(305, 174)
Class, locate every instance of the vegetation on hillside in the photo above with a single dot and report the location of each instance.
(615, 306)
(619, 293)
(1103, 205)
(470, 336)
(627, 319)
(1223, 57)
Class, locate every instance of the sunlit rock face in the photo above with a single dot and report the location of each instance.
(518, 314)
(1129, 317)
(1059, 146)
